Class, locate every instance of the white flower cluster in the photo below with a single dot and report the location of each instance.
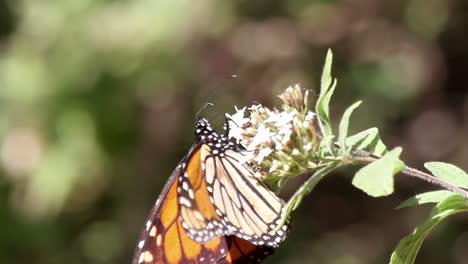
(273, 137)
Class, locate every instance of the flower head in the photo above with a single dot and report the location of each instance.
(236, 123)
(281, 143)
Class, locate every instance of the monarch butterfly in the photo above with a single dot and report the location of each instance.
(212, 209)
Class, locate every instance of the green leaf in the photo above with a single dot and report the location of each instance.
(323, 112)
(367, 140)
(449, 173)
(376, 178)
(362, 139)
(327, 88)
(407, 249)
(427, 197)
(326, 79)
(344, 124)
(306, 188)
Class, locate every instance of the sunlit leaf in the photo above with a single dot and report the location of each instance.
(449, 173)
(344, 124)
(427, 197)
(407, 249)
(376, 178)
(327, 88)
(367, 140)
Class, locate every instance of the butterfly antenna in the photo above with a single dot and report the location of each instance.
(203, 108)
(213, 93)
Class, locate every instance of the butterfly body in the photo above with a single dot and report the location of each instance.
(212, 209)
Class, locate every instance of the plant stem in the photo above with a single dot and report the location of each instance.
(367, 157)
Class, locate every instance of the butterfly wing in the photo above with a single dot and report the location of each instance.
(250, 209)
(164, 240)
(242, 251)
(211, 195)
(198, 212)
(221, 196)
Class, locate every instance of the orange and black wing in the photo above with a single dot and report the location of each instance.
(211, 210)
(197, 211)
(163, 239)
(242, 251)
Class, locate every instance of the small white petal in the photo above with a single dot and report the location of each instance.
(255, 107)
(310, 115)
(263, 135)
(263, 153)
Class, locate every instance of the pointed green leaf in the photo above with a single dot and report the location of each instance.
(427, 197)
(327, 88)
(362, 139)
(367, 140)
(326, 79)
(323, 112)
(449, 173)
(407, 249)
(376, 178)
(344, 124)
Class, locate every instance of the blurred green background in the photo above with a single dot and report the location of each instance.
(98, 97)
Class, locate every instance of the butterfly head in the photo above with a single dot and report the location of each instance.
(203, 128)
(205, 133)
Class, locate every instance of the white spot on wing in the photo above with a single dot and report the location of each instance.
(148, 225)
(141, 243)
(148, 256)
(184, 201)
(153, 231)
